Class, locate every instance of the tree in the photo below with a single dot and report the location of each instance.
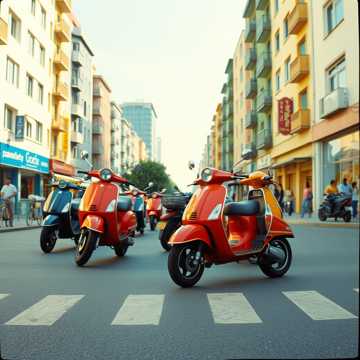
(150, 171)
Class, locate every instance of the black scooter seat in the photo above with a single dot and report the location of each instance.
(245, 208)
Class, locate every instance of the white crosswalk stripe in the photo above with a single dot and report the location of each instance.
(232, 308)
(317, 306)
(47, 311)
(140, 310)
(3, 296)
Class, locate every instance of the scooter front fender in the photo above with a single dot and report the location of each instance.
(93, 222)
(51, 220)
(189, 233)
(152, 213)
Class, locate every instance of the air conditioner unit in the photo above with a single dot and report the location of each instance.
(331, 103)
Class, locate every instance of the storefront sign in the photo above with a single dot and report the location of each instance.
(19, 158)
(285, 111)
(60, 167)
(20, 127)
(263, 162)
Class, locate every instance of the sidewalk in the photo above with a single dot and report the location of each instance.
(19, 224)
(296, 219)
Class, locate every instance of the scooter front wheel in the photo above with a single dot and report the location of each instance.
(85, 246)
(48, 239)
(152, 222)
(185, 266)
(322, 215)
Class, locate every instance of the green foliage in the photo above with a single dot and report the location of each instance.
(150, 171)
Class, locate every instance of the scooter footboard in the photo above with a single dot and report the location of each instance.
(188, 233)
(93, 222)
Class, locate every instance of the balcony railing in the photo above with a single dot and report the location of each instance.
(59, 123)
(250, 31)
(97, 92)
(251, 89)
(248, 151)
(77, 57)
(263, 64)
(261, 4)
(64, 5)
(249, 8)
(264, 101)
(3, 32)
(76, 83)
(62, 31)
(76, 109)
(77, 137)
(61, 61)
(96, 109)
(264, 139)
(250, 59)
(263, 29)
(250, 120)
(97, 148)
(334, 102)
(61, 91)
(300, 121)
(299, 68)
(97, 128)
(297, 18)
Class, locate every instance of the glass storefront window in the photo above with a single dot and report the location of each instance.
(341, 159)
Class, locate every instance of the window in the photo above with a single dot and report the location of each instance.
(277, 41)
(33, 7)
(28, 129)
(42, 56)
(286, 29)
(76, 46)
(276, 6)
(15, 27)
(277, 80)
(29, 85)
(12, 72)
(85, 108)
(39, 132)
(80, 126)
(40, 94)
(9, 118)
(43, 18)
(31, 47)
(287, 70)
(303, 103)
(302, 47)
(333, 15)
(336, 76)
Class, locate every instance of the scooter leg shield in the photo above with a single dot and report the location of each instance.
(95, 223)
(188, 233)
(51, 220)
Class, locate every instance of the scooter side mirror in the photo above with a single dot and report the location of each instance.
(150, 184)
(191, 164)
(163, 191)
(84, 155)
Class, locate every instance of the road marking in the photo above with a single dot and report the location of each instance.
(232, 308)
(357, 290)
(140, 310)
(3, 296)
(47, 311)
(317, 306)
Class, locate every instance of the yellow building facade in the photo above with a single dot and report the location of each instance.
(218, 137)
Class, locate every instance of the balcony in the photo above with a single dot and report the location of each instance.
(297, 18)
(248, 151)
(264, 139)
(261, 4)
(64, 5)
(97, 92)
(250, 120)
(76, 83)
(249, 8)
(77, 57)
(250, 31)
(77, 137)
(76, 109)
(299, 68)
(263, 65)
(251, 89)
(98, 148)
(334, 102)
(62, 31)
(3, 32)
(264, 101)
(61, 61)
(263, 29)
(61, 91)
(300, 121)
(59, 123)
(97, 128)
(96, 109)
(250, 59)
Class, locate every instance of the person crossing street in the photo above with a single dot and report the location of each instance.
(8, 194)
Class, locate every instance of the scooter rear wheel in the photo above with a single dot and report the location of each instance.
(152, 222)
(120, 249)
(182, 269)
(322, 215)
(86, 246)
(347, 216)
(48, 239)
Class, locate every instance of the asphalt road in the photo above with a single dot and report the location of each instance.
(184, 323)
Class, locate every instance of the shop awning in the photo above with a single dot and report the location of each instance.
(291, 161)
(70, 179)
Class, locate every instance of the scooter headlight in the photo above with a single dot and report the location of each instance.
(206, 175)
(62, 184)
(105, 174)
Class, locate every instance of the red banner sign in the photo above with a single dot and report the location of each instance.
(285, 111)
(60, 167)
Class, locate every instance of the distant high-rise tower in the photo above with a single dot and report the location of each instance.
(158, 149)
(143, 118)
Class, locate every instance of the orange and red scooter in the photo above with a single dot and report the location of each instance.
(217, 231)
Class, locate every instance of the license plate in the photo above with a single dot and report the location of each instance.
(161, 225)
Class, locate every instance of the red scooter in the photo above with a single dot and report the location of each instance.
(105, 216)
(154, 208)
(217, 231)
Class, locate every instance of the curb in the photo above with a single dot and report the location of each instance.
(324, 224)
(22, 228)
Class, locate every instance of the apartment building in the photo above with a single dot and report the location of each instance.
(217, 119)
(335, 67)
(116, 116)
(26, 52)
(101, 146)
(158, 149)
(81, 97)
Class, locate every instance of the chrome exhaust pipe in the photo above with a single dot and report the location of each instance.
(274, 254)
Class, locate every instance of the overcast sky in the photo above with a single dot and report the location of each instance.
(172, 53)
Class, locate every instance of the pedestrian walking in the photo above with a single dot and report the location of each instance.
(8, 193)
(281, 197)
(306, 206)
(289, 200)
(355, 199)
(345, 188)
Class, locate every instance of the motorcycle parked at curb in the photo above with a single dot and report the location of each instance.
(60, 213)
(217, 233)
(154, 208)
(335, 206)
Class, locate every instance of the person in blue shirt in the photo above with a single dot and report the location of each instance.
(345, 188)
(138, 208)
